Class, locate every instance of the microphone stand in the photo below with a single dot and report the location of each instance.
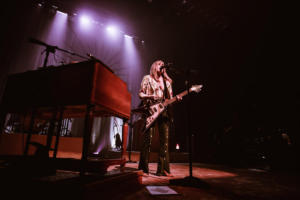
(51, 49)
(189, 180)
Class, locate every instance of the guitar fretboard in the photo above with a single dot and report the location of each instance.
(174, 98)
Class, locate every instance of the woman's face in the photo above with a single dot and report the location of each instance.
(158, 66)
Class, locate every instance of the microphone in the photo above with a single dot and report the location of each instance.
(35, 41)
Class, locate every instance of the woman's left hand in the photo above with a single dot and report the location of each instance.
(178, 98)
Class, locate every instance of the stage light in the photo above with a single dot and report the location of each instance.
(128, 36)
(177, 147)
(112, 30)
(61, 13)
(57, 29)
(85, 22)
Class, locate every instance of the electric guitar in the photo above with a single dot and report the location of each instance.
(155, 110)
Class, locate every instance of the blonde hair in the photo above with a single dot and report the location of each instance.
(154, 70)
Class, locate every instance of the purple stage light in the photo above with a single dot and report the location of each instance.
(57, 28)
(112, 30)
(61, 13)
(130, 51)
(128, 36)
(85, 21)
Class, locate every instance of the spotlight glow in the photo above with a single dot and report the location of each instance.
(112, 30)
(61, 13)
(128, 36)
(85, 22)
(56, 32)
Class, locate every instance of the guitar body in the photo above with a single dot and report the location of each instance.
(154, 111)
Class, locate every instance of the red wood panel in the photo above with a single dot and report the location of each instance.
(78, 84)
(14, 144)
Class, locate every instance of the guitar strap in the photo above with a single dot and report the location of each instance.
(166, 93)
(167, 96)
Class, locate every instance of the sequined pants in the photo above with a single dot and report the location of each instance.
(163, 157)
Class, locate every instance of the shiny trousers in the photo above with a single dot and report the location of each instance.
(163, 157)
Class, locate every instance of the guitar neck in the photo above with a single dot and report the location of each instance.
(182, 94)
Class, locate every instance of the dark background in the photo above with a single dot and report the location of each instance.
(243, 52)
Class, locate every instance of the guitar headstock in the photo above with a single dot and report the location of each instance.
(196, 88)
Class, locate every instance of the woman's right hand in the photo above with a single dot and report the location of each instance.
(154, 97)
(145, 96)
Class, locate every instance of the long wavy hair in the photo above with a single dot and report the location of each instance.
(154, 69)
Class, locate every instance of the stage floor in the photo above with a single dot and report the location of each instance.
(220, 182)
(217, 183)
